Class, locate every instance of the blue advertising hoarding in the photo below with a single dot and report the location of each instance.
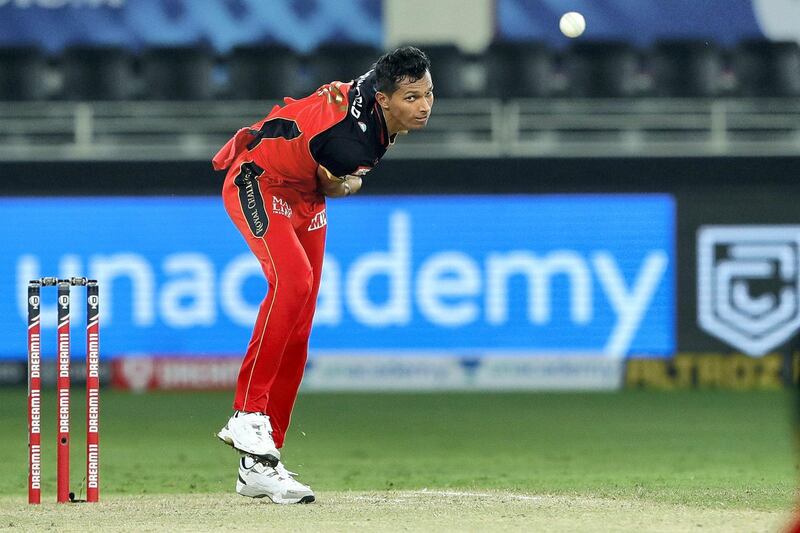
(515, 274)
(644, 21)
(304, 24)
(221, 24)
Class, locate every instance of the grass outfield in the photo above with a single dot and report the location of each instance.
(677, 459)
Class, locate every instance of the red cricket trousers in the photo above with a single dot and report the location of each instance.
(285, 229)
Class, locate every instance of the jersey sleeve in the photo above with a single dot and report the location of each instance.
(342, 156)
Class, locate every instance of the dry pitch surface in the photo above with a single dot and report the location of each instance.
(422, 510)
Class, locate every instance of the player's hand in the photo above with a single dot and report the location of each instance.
(336, 187)
(333, 94)
(352, 184)
(346, 186)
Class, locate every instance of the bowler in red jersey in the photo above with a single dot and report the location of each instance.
(279, 173)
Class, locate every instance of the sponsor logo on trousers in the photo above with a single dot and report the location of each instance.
(320, 220)
(281, 207)
(250, 199)
(252, 206)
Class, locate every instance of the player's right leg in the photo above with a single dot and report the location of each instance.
(251, 434)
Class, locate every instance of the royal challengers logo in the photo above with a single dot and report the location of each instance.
(250, 199)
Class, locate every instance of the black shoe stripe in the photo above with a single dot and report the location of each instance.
(266, 459)
(243, 481)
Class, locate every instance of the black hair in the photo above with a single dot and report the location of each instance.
(404, 62)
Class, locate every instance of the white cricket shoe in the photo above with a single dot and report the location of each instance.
(251, 433)
(257, 480)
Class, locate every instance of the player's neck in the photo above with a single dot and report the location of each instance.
(393, 126)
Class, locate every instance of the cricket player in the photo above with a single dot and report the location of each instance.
(279, 172)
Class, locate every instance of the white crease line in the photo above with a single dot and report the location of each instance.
(403, 496)
(476, 494)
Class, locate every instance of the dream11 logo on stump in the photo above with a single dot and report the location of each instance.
(748, 285)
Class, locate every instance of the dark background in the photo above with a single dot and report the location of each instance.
(723, 178)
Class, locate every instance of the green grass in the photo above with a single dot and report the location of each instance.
(702, 448)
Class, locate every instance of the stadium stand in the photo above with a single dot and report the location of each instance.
(22, 73)
(268, 71)
(177, 73)
(519, 70)
(514, 98)
(448, 70)
(504, 70)
(766, 68)
(686, 68)
(338, 61)
(605, 69)
(97, 73)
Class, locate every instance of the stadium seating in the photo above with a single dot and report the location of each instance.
(264, 71)
(504, 70)
(519, 70)
(766, 68)
(601, 69)
(22, 74)
(686, 68)
(339, 61)
(177, 73)
(97, 73)
(447, 69)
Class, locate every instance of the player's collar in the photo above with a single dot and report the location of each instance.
(386, 139)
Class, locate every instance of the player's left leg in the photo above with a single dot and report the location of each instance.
(290, 373)
(256, 479)
(259, 480)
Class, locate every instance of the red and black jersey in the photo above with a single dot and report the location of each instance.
(340, 127)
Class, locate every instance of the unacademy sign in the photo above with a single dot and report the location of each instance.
(523, 274)
(452, 289)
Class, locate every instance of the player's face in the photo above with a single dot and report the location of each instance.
(409, 106)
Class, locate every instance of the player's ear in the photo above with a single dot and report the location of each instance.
(383, 99)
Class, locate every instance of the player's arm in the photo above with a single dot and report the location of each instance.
(333, 186)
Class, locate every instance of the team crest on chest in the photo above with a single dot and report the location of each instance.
(281, 207)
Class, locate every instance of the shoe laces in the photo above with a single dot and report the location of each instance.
(258, 466)
(286, 476)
